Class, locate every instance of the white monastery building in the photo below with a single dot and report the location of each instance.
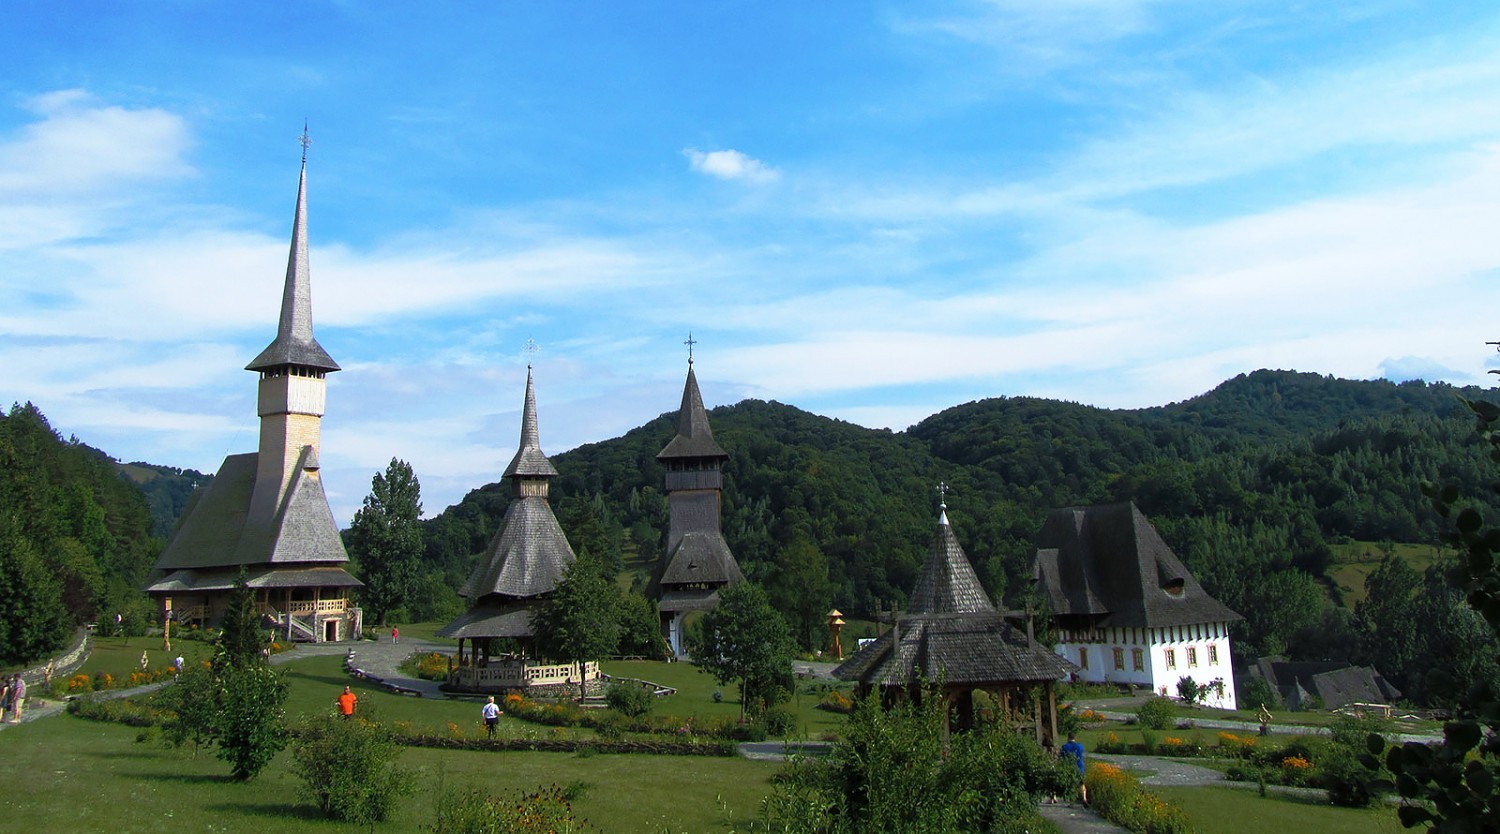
(1125, 608)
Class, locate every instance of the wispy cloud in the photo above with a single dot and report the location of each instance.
(730, 165)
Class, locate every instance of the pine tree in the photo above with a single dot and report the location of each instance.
(386, 541)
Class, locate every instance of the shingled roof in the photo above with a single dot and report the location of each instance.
(694, 438)
(948, 584)
(952, 633)
(527, 558)
(218, 530)
(958, 649)
(294, 343)
(1107, 563)
(529, 554)
(529, 460)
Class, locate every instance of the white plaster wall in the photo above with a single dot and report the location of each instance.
(1155, 644)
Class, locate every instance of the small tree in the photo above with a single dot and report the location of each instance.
(386, 540)
(744, 639)
(249, 695)
(348, 768)
(1189, 690)
(194, 700)
(577, 622)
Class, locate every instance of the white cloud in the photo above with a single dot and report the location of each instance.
(79, 145)
(730, 165)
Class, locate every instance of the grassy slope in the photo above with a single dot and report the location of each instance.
(1355, 561)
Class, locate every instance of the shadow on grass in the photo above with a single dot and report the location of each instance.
(339, 681)
(193, 778)
(278, 810)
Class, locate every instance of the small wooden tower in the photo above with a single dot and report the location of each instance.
(265, 512)
(524, 563)
(697, 564)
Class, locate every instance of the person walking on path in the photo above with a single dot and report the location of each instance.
(5, 694)
(395, 635)
(491, 713)
(1074, 750)
(17, 698)
(346, 703)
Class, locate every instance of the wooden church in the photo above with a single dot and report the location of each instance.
(265, 513)
(524, 563)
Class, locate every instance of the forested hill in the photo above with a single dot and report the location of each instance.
(1249, 482)
(75, 537)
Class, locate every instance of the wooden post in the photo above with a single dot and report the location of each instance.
(1052, 702)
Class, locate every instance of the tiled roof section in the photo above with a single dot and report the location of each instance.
(529, 460)
(294, 344)
(694, 438)
(948, 584)
(501, 619)
(1108, 563)
(218, 529)
(957, 649)
(527, 557)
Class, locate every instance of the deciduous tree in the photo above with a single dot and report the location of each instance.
(745, 640)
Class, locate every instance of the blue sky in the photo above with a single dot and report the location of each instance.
(870, 211)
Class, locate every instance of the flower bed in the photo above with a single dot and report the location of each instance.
(1119, 798)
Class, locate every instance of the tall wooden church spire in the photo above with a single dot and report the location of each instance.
(292, 368)
(529, 470)
(294, 343)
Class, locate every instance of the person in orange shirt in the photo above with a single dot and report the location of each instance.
(346, 703)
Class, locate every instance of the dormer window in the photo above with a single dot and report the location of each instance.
(1174, 588)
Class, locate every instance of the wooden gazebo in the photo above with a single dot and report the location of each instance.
(954, 641)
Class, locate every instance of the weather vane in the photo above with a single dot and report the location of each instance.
(304, 141)
(531, 350)
(690, 342)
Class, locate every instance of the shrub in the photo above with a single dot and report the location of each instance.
(429, 666)
(1111, 743)
(778, 721)
(249, 727)
(629, 699)
(837, 701)
(1155, 714)
(1236, 746)
(1120, 799)
(348, 768)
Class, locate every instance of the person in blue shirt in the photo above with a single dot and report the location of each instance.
(1074, 750)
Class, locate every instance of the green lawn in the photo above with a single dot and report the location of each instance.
(695, 689)
(119, 656)
(1238, 811)
(68, 774)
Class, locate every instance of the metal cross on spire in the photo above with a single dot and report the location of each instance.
(531, 350)
(942, 489)
(304, 141)
(690, 342)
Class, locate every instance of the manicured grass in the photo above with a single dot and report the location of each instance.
(695, 689)
(119, 656)
(1238, 811)
(68, 774)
